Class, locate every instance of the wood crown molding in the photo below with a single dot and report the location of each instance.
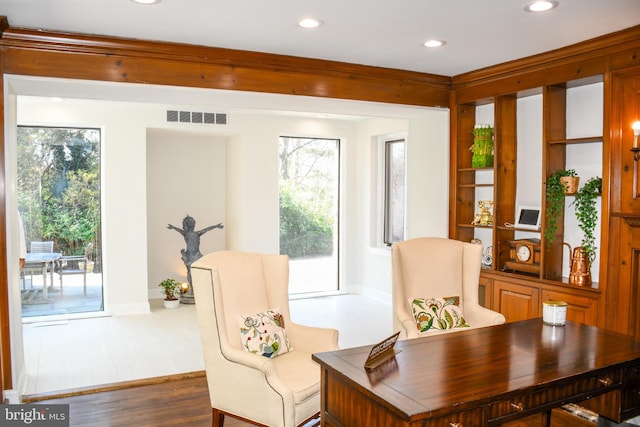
(394, 86)
(631, 218)
(596, 47)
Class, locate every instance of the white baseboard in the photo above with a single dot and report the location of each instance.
(11, 396)
(376, 294)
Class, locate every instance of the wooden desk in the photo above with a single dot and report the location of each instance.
(483, 376)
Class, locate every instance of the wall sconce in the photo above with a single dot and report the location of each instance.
(636, 145)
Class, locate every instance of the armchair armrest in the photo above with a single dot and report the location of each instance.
(312, 339)
(479, 315)
(410, 328)
(247, 359)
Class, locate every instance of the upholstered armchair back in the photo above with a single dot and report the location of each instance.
(279, 391)
(430, 267)
(250, 283)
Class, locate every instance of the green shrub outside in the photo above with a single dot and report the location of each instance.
(303, 231)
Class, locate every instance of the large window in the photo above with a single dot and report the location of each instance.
(309, 183)
(394, 190)
(58, 190)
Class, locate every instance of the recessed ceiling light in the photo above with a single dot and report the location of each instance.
(146, 1)
(434, 43)
(541, 6)
(310, 23)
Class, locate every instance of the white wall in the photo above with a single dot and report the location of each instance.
(427, 198)
(13, 246)
(428, 175)
(186, 175)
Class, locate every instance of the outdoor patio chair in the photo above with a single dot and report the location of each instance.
(41, 247)
(75, 264)
(31, 269)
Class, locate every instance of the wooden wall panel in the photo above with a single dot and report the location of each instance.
(623, 292)
(623, 279)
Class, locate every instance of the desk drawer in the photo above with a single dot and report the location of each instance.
(527, 403)
(472, 418)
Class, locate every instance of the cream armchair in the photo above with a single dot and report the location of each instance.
(429, 267)
(279, 391)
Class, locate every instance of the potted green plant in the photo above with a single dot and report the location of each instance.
(587, 214)
(555, 192)
(482, 147)
(172, 290)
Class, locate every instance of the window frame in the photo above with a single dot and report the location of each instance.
(387, 143)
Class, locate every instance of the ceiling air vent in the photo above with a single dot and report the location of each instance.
(178, 116)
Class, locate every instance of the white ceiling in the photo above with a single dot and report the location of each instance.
(384, 33)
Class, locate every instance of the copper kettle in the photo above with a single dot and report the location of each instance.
(580, 274)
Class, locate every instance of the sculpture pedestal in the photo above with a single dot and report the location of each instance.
(187, 297)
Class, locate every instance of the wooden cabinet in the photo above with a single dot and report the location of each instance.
(581, 306)
(485, 292)
(519, 298)
(516, 301)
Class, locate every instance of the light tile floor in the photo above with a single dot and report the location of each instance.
(62, 355)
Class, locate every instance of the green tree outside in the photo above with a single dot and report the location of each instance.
(308, 202)
(59, 186)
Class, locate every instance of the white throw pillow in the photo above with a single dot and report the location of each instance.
(264, 334)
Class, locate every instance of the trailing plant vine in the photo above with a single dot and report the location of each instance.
(587, 214)
(555, 194)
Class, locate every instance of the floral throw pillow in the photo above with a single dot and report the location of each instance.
(437, 313)
(264, 333)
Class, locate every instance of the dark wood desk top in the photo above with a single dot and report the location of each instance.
(438, 374)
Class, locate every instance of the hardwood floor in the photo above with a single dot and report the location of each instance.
(165, 403)
(179, 400)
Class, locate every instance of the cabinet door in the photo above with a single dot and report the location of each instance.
(516, 302)
(485, 291)
(579, 309)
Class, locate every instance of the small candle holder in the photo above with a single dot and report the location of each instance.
(636, 146)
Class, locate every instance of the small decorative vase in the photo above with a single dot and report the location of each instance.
(570, 184)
